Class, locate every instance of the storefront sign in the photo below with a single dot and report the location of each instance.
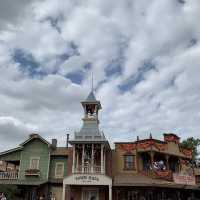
(87, 178)
(184, 179)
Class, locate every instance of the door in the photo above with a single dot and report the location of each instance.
(90, 194)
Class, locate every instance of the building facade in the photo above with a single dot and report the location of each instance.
(89, 169)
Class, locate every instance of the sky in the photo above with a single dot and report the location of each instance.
(144, 55)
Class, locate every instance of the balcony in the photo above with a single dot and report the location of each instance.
(32, 172)
(88, 169)
(12, 175)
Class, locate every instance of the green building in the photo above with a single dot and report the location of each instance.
(36, 167)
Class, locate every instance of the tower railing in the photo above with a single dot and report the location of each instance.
(88, 169)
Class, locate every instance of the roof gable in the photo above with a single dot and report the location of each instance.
(35, 136)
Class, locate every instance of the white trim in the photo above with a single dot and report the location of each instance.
(35, 158)
(48, 165)
(61, 175)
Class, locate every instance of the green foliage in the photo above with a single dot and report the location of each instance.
(192, 143)
(10, 191)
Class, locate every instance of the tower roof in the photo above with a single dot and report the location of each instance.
(91, 97)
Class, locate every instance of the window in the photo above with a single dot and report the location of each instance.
(198, 179)
(129, 162)
(59, 171)
(34, 163)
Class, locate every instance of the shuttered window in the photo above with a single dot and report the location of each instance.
(129, 162)
(34, 163)
(59, 171)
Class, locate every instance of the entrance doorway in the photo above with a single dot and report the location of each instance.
(90, 194)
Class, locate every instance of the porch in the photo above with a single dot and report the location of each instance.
(87, 186)
(161, 166)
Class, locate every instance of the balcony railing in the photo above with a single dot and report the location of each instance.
(159, 174)
(88, 169)
(8, 175)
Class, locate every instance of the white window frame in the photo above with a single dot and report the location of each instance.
(63, 166)
(35, 158)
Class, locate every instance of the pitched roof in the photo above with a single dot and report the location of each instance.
(91, 97)
(35, 136)
(10, 151)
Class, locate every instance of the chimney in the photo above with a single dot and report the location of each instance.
(54, 143)
(67, 141)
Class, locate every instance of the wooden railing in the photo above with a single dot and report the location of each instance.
(8, 175)
(159, 174)
(88, 169)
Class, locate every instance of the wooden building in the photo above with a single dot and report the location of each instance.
(153, 169)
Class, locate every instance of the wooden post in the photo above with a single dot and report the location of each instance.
(73, 164)
(152, 158)
(83, 154)
(63, 194)
(92, 167)
(167, 163)
(102, 170)
(110, 192)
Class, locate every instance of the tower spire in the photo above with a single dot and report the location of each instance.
(92, 83)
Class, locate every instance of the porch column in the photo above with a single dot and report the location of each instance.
(152, 158)
(104, 160)
(102, 170)
(110, 192)
(77, 162)
(92, 167)
(73, 164)
(167, 163)
(63, 194)
(83, 154)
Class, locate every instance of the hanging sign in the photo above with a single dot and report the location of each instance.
(184, 179)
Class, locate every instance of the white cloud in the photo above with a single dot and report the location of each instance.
(161, 98)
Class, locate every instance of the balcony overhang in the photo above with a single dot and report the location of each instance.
(127, 180)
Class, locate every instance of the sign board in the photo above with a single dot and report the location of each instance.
(184, 179)
(87, 179)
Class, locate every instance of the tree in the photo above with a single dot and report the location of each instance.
(192, 143)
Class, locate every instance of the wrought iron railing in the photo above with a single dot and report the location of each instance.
(12, 175)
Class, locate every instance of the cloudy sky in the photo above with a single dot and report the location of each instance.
(144, 54)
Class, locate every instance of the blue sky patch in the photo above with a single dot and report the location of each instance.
(114, 68)
(76, 77)
(27, 63)
(138, 77)
(193, 42)
(87, 66)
